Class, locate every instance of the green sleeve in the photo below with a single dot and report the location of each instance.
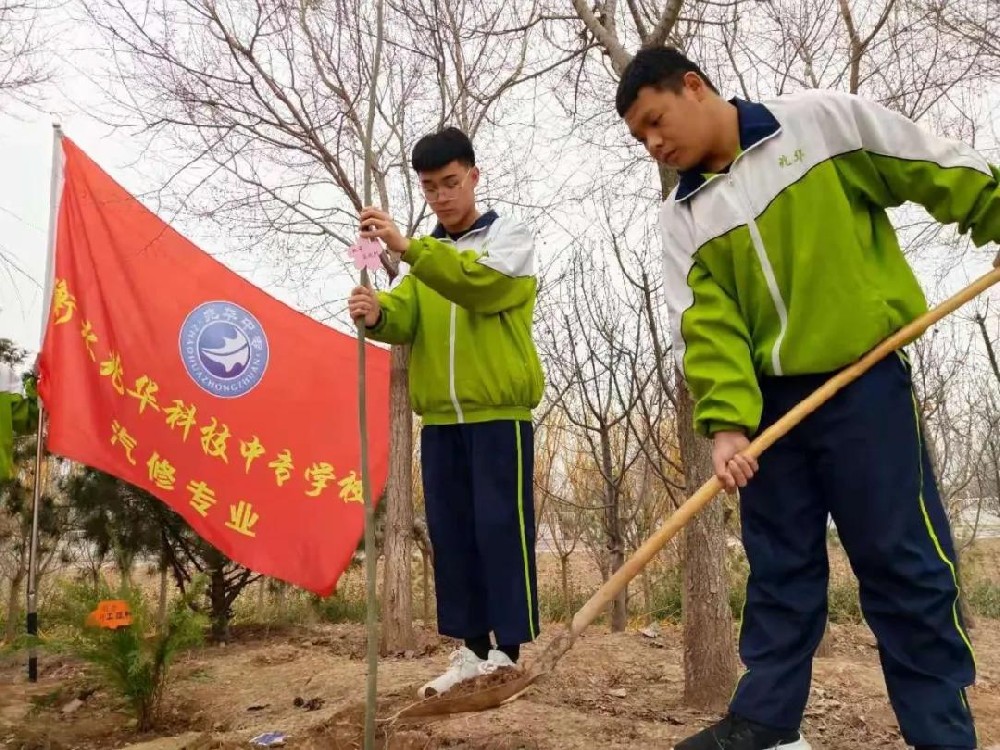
(7, 435)
(491, 282)
(717, 361)
(400, 312)
(24, 415)
(908, 163)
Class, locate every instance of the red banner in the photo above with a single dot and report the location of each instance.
(162, 367)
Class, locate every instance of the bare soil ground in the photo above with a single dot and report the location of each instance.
(610, 691)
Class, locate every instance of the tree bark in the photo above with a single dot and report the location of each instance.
(709, 654)
(612, 526)
(397, 586)
(161, 612)
(564, 577)
(217, 597)
(647, 595)
(280, 592)
(427, 586)
(825, 648)
(710, 663)
(14, 604)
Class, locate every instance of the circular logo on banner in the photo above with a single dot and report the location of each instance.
(224, 349)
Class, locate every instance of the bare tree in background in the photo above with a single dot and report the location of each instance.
(988, 478)
(655, 486)
(15, 529)
(591, 348)
(948, 388)
(900, 53)
(22, 66)
(972, 21)
(709, 655)
(263, 105)
(558, 519)
(945, 393)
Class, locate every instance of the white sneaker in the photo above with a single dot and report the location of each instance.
(495, 660)
(463, 665)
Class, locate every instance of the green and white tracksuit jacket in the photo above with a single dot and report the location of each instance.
(467, 307)
(787, 263)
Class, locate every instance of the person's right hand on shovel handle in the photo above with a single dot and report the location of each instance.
(731, 467)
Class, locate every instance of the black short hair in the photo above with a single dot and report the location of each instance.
(438, 150)
(661, 68)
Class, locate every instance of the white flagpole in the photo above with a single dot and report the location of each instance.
(55, 196)
(32, 616)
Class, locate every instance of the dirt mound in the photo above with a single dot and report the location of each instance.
(346, 640)
(501, 676)
(345, 730)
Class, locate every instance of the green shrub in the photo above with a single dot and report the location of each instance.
(983, 598)
(554, 606)
(667, 597)
(844, 602)
(134, 661)
(340, 607)
(293, 607)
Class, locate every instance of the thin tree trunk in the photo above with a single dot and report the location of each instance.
(564, 576)
(612, 525)
(825, 649)
(397, 586)
(647, 596)
(161, 612)
(371, 553)
(427, 586)
(14, 604)
(280, 594)
(217, 596)
(709, 654)
(710, 664)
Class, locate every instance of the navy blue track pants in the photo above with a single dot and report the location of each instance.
(478, 481)
(861, 458)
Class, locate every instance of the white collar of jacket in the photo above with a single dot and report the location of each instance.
(483, 222)
(502, 243)
(757, 124)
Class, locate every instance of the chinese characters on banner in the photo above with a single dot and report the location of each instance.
(162, 367)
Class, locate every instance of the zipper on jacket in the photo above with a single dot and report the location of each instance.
(451, 364)
(452, 335)
(768, 269)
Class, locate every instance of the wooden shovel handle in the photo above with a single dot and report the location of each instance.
(708, 491)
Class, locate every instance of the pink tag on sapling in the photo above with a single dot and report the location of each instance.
(366, 253)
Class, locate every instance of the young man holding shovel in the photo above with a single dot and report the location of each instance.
(781, 267)
(466, 307)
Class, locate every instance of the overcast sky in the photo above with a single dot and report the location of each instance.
(76, 101)
(72, 98)
(26, 137)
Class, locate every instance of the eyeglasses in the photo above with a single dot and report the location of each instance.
(434, 194)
